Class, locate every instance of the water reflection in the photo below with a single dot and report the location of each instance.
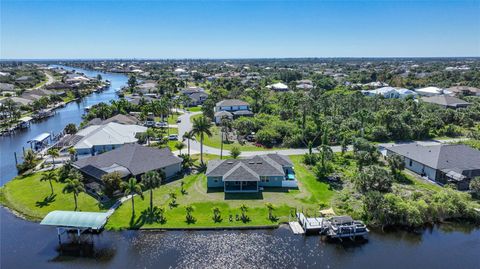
(277, 248)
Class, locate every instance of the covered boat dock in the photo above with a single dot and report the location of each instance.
(74, 221)
(39, 141)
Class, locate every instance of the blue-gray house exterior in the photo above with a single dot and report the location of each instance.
(252, 174)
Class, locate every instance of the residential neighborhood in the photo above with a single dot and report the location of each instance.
(240, 134)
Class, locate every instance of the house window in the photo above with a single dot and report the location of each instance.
(215, 180)
(410, 163)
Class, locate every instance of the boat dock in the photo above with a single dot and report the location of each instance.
(333, 227)
(312, 224)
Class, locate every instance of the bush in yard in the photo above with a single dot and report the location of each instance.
(475, 186)
(373, 178)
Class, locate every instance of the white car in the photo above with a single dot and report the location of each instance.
(161, 124)
(173, 137)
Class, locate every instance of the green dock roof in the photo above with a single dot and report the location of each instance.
(92, 220)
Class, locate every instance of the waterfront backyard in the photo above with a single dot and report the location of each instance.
(311, 194)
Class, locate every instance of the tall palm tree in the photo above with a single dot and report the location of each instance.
(152, 180)
(49, 176)
(187, 136)
(73, 186)
(226, 126)
(201, 127)
(132, 187)
(150, 133)
(54, 153)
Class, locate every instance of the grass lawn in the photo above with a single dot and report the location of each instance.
(31, 197)
(214, 140)
(171, 119)
(194, 109)
(310, 194)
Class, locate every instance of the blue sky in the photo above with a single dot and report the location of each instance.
(237, 29)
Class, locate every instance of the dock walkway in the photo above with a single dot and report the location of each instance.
(296, 227)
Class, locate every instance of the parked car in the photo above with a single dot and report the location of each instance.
(173, 137)
(179, 120)
(149, 123)
(250, 137)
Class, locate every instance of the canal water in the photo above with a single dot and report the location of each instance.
(25, 244)
(71, 113)
(28, 245)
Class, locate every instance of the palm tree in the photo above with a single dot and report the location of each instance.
(49, 176)
(54, 153)
(244, 210)
(152, 180)
(72, 151)
(270, 210)
(216, 214)
(73, 186)
(179, 146)
(132, 187)
(189, 209)
(187, 136)
(187, 161)
(226, 126)
(201, 127)
(150, 133)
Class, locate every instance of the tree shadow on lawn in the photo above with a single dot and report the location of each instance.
(46, 201)
(244, 196)
(147, 216)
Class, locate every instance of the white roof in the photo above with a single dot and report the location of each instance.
(390, 92)
(109, 134)
(180, 70)
(278, 85)
(434, 90)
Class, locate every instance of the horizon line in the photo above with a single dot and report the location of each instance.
(237, 58)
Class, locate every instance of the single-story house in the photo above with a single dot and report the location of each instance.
(132, 160)
(429, 91)
(21, 101)
(100, 138)
(446, 101)
(251, 174)
(444, 164)
(465, 90)
(390, 92)
(147, 87)
(7, 87)
(231, 108)
(279, 87)
(119, 118)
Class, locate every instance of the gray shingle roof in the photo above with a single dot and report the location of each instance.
(443, 157)
(445, 101)
(249, 169)
(232, 102)
(223, 113)
(134, 157)
(241, 172)
(243, 113)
